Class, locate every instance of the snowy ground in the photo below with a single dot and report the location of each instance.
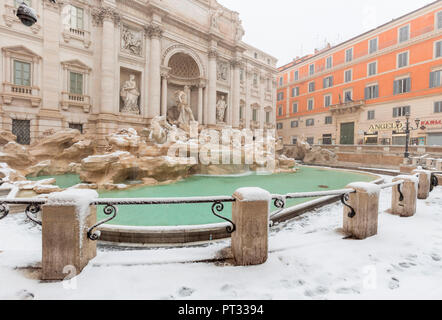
(309, 259)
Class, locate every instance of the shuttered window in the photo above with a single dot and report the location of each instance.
(349, 55)
(372, 92)
(296, 75)
(401, 111)
(294, 124)
(311, 103)
(402, 86)
(435, 79)
(328, 82)
(372, 68)
(373, 45)
(22, 73)
(438, 49)
(311, 87)
(312, 69)
(310, 122)
(295, 108)
(439, 20)
(327, 101)
(438, 107)
(329, 62)
(348, 75)
(295, 92)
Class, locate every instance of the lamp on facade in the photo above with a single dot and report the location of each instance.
(27, 15)
(408, 130)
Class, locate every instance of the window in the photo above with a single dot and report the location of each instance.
(329, 63)
(281, 81)
(327, 101)
(312, 69)
(372, 92)
(349, 55)
(241, 113)
(255, 79)
(311, 103)
(295, 92)
(438, 107)
(348, 75)
(348, 95)
(296, 75)
(404, 34)
(294, 124)
(327, 139)
(255, 115)
(328, 120)
(294, 140)
(311, 141)
(371, 115)
(310, 122)
(255, 55)
(439, 20)
(280, 96)
(279, 126)
(280, 111)
(295, 107)
(402, 86)
(22, 73)
(402, 59)
(401, 111)
(77, 18)
(328, 82)
(373, 45)
(267, 116)
(311, 87)
(438, 49)
(435, 79)
(76, 83)
(77, 126)
(372, 68)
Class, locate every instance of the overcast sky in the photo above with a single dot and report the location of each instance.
(290, 28)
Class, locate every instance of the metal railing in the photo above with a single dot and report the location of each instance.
(111, 205)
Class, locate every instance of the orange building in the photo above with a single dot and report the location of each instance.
(354, 93)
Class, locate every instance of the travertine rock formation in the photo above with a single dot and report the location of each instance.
(311, 155)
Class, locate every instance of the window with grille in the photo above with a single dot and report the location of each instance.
(402, 60)
(22, 73)
(401, 111)
(77, 126)
(22, 130)
(402, 86)
(77, 18)
(76, 83)
(372, 92)
(404, 34)
(373, 45)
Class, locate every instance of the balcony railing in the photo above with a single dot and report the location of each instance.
(12, 91)
(72, 99)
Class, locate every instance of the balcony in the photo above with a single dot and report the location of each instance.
(75, 100)
(347, 107)
(79, 35)
(13, 92)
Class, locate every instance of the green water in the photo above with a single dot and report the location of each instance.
(63, 181)
(306, 179)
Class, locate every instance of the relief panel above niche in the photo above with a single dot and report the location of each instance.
(131, 41)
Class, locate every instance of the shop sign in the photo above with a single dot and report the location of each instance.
(387, 126)
(429, 123)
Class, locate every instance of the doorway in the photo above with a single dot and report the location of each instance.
(348, 133)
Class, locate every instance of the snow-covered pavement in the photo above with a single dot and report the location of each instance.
(309, 259)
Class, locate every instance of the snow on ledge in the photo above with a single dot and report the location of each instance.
(370, 188)
(253, 194)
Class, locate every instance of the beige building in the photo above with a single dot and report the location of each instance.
(100, 65)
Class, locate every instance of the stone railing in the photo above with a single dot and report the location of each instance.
(70, 238)
(12, 91)
(71, 99)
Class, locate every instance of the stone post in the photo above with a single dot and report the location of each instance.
(406, 207)
(250, 214)
(365, 202)
(424, 183)
(65, 242)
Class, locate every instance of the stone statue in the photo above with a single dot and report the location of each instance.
(130, 94)
(239, 31)
(222, 71)
(186, 115)
(130, 43)
(221, 107)
(214, 18)
(159, 130)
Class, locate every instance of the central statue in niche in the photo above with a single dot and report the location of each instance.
(221, 107)
(186, 115)
(129, 94)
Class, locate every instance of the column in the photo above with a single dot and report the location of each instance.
(155, 33)
(248, 107)
(107, 61)
(146, 88)
(164, 95)
(262, 92)
(200, 103)
(236, 93)
(211, 107)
